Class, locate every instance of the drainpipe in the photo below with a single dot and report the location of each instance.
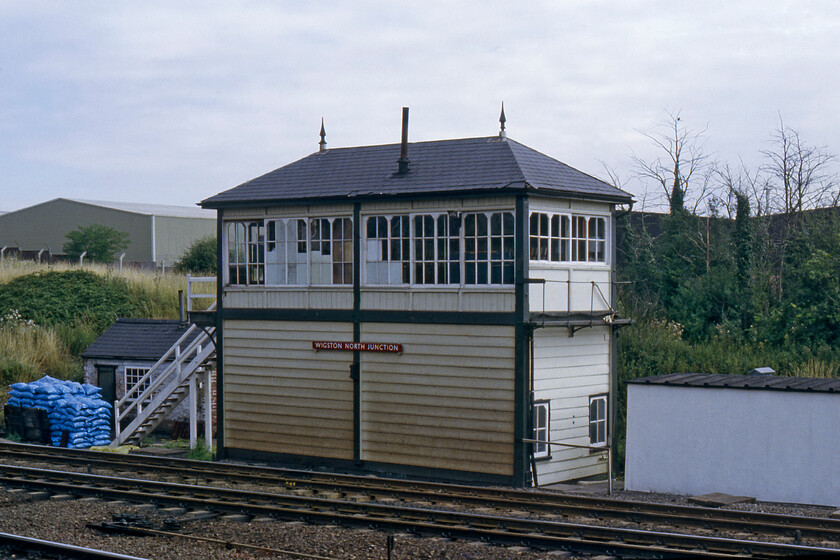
(121, 260)
(39, 255)
(82, 258)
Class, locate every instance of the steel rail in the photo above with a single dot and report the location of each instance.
(536, 502)
(9, 542)
(495, 529)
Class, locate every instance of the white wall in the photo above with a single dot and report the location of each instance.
(781, 446)
(567, 371)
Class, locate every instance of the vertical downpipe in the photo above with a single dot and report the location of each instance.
(522, 421)
(356, 367)
(219, 336)
(612, 399)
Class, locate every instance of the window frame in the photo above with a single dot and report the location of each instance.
(137, 372)
(545, 453)
(493, 263)
(320, 237)
(563, 238)
(601, 397)
(442, 243)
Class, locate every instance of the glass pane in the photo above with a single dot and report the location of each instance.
(481, 225)
(371, 227)
(496, 224)
(507, 219)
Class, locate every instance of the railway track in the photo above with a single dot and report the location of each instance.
(427, 521)
(15, 546)
(541, 504)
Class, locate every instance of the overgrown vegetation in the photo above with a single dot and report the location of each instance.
(752, 280)
(50, 314)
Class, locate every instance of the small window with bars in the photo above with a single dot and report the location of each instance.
(598, 420)
(542, 415)
(133, 375)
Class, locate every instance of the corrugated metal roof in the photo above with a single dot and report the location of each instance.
(439, 168)
(763, 382)
(151, 209)
(137, 339)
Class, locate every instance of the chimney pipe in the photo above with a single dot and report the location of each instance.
(403, 161)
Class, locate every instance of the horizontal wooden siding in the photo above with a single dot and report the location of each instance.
(281, 396)
(445, 402)
(567, 371)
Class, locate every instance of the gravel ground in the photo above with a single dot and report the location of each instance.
(65, 521)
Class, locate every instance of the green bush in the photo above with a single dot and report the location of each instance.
(53, 298)
(200, 258)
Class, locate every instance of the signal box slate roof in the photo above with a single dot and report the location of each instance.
(761, 382)
(137, 339)
(439, 168)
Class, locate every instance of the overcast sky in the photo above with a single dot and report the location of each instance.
(172, 102)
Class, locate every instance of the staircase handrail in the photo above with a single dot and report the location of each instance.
(166, 356)
(158, 399)
(130, 393)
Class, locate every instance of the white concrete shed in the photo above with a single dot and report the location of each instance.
(770, 437)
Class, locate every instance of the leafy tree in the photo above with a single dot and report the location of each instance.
(200, 257)
(102, 243)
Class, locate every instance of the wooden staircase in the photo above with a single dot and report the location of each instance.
(177, 375)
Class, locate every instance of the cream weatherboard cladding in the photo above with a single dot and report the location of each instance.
(446, 402)
(280, 395)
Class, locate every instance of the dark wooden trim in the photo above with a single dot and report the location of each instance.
(390, 470)
(220, 339)
(522, 421)
(356, 367)
(371, 316)
(510, 190)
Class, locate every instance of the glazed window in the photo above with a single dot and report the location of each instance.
(437, 255)
(542, 410)
(488, 248)
(290, 251)
(598, 420)
(388, 250)
(133, 375)
(442, 248)
(246, 257)
(567, 238)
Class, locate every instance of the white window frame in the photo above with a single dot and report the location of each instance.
(542, 431)
(440, 265)
(293, 265)
(135, 374)
(564, 238)
(599, 421)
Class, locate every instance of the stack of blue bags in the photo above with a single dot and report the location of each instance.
(72, 407)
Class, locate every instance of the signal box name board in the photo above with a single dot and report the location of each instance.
(357, 346)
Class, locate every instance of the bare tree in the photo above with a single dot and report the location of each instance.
(800, 178)
(802, 174)
(682, 171)
(754, 185)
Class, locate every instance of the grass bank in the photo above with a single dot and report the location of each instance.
(50, 313)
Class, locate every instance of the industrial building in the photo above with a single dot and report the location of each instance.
(438, 309)
(159, 234)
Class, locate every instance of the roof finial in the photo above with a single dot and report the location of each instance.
(502, 119)
(322, 145)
